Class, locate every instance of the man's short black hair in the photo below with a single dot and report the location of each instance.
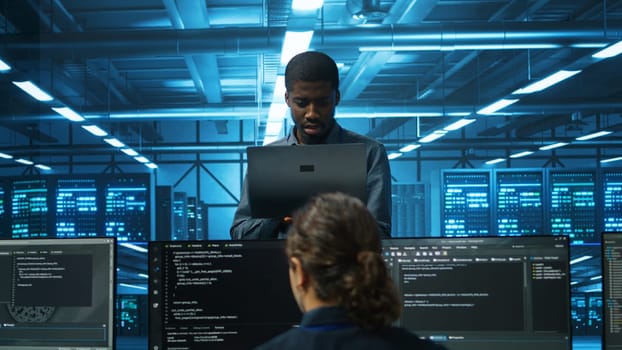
(311, 66)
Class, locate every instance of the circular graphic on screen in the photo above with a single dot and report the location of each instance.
(35, 314)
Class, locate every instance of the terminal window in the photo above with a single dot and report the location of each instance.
(57, 294)
(218, 294)
(612, 290)
(483, 293)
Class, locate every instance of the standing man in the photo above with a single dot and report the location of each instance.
(312, 84)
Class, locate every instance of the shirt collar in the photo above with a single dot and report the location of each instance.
(334, 135)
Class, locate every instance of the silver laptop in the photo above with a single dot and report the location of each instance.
(282, 178)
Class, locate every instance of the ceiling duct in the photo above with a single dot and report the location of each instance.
(365, 11)
(222, 41)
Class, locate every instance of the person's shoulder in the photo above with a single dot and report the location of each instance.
(280, 341)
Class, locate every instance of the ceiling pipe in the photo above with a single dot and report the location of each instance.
(224, 41)
(344, 110)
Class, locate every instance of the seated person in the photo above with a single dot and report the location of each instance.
(340, 282)
(312, 94)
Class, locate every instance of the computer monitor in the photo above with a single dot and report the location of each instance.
(282, 178)
(611, 246)
(484, 293)
(218, 294)
(468, 293)
(57, 294)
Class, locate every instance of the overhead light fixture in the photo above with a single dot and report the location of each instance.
(598, 277)
(114, 142)
(547, 82)
(5, 156)
(132, 286)
(151, 165)
(593, 135)
(135, 247)
(394, 155)
(493, 107)
(24, 161)
(295, 43)
(459, 124)
(433, 136)
(43, 167)
(579, 259)
(553, 145)
(521, 154)
(130, 152)
(610, 51)
(459, 47)
(68, 113)
(95, 130)
(142, 159)
(33, 90)
(307, 5)
(495, 161)
(4, 67)
(609, 160)
(408, 148)
(277, 111)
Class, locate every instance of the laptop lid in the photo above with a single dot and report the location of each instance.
(282, 178)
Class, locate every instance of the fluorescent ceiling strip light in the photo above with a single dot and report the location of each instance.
(391, 114)
(130, 152)
(495, 161)
(142, 159)
(43, 167)
(33, 90)
(596, 278)
(135, 247)
(610, 51)
(521, 154)
(5, 156)
(295, 43)
(611, 160)
(553, 145)
(277, 111)
(433, 136)
(132, 286)
(68, 113)
(95, 130)
(458, 47)
(579, 259)
(459, 124)
(593, 135)
(547, 82)
(4, 67)
(151, 165)
(493, 107)
(24, 161)
(593, 290)
(143, 275)
(394, 155)
(409, 148)
(114, 142)
(307, 5)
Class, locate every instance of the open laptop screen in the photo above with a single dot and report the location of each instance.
(282, 178)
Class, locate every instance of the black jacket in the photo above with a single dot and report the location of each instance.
(327, 328)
